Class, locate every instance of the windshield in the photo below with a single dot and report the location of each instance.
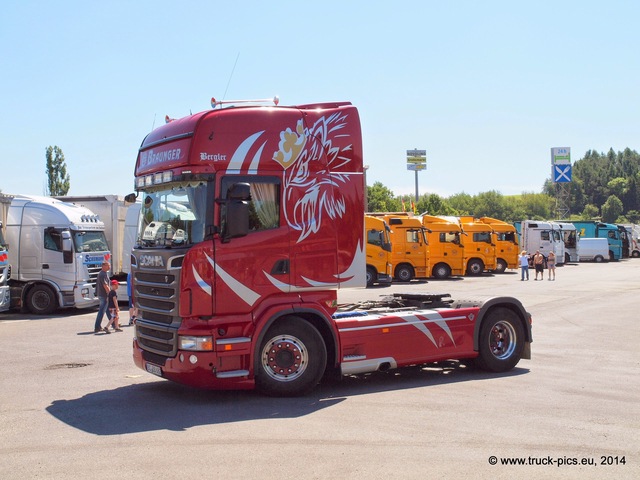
(89, 241)
(173, 215)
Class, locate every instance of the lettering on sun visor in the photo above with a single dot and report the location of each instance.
(215, 157)
(151, 158)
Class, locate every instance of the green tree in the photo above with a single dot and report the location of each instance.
(57, 177)
(462, 203)
(434, 204)
(590, 212)
(381, 199)
(611, 209)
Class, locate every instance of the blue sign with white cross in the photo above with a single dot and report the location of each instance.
(561, 173)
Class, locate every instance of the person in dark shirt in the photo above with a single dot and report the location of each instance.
(114, 309)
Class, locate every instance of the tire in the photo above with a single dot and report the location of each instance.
(635, 254)
(41, 300)
(475, 267)
(404, 273)
(501, 266)
(291, 359)
(501, 340)
(567, 258)
(598, 259)
(372, 276)
(611, 256)
(441, 271)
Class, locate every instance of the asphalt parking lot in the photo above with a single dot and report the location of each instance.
(75, 406)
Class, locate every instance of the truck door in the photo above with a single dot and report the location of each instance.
(57, 258)
(253, 266)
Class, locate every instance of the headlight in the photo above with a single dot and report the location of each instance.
(195, 343)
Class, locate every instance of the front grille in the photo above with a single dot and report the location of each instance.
(156, 295)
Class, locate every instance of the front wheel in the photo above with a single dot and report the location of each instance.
(372, 276)
(475, 267)
(501, 266)
(41, 300)
(441, 271)
(501, 340)
(291, 359)
(404, 273)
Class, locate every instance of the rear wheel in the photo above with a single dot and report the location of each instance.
(598, 259)
(475, 267)
(635, 254)
(404, 273)
(41, 300)
(291, 359)
(501, 340)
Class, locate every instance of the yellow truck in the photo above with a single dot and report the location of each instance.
(477, 241)
(505, 239)
(446, 254)
(378, 251)
(409, 246)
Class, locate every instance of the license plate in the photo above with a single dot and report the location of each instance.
(154, 369)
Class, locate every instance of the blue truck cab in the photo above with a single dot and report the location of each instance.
(593, 229)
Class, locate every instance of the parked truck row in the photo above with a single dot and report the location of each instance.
(426, 246)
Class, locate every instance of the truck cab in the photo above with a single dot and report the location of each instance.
(571, 239)
(410, 247)
(543, 237)
(378, 251)
(595, 229)
(505, 239)
(479, 249)
(446, 254)
(56, 250)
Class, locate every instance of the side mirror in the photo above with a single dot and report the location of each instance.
(236, 217)
(131, 198)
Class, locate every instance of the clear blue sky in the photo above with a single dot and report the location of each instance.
(485, 87)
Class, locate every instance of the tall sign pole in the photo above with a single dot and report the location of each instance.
(416, 161)
(561, 176)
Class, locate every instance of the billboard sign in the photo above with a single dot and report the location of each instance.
(561, 156)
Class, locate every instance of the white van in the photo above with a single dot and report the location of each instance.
(594, 250)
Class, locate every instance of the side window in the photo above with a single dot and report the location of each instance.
(544, 235)
(264, 205)
(412, 236)
(52, 241)
(611, 234)
(374, 237)
(482, 237)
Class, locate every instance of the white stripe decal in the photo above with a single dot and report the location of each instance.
(246, 294)
(412, 320)
(256, 158)
(201, 283)
(241, 153)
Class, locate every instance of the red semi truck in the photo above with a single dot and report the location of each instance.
(252, 219)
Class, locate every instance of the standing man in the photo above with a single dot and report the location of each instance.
(102, 289)
(524, 265)
(538, 264)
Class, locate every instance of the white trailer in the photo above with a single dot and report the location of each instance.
(56, 250)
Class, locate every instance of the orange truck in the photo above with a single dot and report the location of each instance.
(409, 246)
(505, 239)
(446, 254)
(378, 251)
